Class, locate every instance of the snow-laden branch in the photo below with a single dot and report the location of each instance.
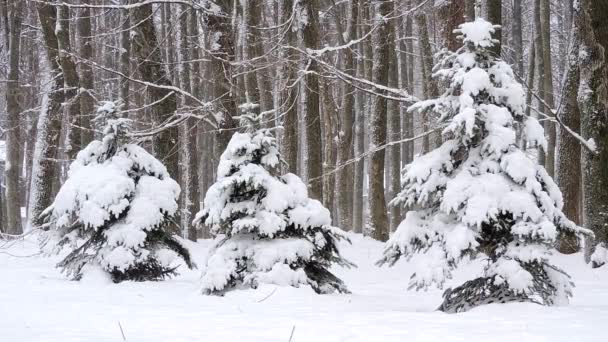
(588, 144)
(372, 151)
(214, 10)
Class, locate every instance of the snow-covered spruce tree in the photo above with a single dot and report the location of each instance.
(479, 194)
(268, 230)
(115, 208)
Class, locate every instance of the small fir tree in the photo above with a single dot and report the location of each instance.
(479, 194)
(268, 230)
(115, 209)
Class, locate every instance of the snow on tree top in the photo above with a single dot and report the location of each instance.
(478, 32)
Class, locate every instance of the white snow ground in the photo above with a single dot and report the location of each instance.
(38, 304)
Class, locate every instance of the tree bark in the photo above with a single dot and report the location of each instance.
(594, 109)
(71, 80)
(516, 32)
(49, 121)
(547, 79)
(344, 177)
(222, 55)
(312, 117)
(380, 40)
(188, 135)
(568, 150)
(289, 94)
(13, 136)
(125, 59)
(394, 134)
(495, 17)
(149, 60)
(469, 10)
(87, 101)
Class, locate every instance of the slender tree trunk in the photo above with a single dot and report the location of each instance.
(517, 38)
(87, 101)
(250, 50)
(289, 93)
(381, 38)
(13, 136)
(495, 17)
(394, 134)
(71, 80)
(312, 117)
(125, 59)
(429, 85)
(547, 79)
(540, 71)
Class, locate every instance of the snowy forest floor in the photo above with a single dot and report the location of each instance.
(38, 304)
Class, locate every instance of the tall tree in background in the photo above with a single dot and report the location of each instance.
(381, 38)
(495, 17)
(312, 117)
(49, 121)
(87, 85)
(547, 80)
(289, 94)
(568, 166)
(13, 110)
(221, 40)
(151, 68)
(344, 177)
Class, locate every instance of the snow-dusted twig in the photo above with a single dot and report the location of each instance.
(268, 296)
(122, 332)
(293, 329)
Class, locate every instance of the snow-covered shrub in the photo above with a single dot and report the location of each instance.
(115, 208)
(268, 230)
(479, 194)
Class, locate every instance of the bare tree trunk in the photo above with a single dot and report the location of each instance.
(429, 85)
(256, 50)
(250, 50)
(547, 79)
(394, 134)
(381, 41)
(188, 133)
(289, 93)
(125, 59)
(164, 103)
(222, 54)
(344, 178)
(540, 70)
(469, 10)
(568, 174)
(49, 122)
(364, 70)
(594, 109)
(87, 101)
(329, 116)
(13, 136)
(312, 117)
(517, 38)
(71, 80)
(495, 17)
